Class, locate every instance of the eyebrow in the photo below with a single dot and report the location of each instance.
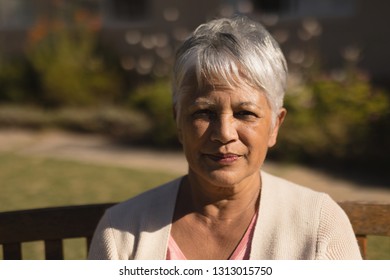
(210, 103)
(250, 105)
(202, 102)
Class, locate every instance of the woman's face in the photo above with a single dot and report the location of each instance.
(226, 133)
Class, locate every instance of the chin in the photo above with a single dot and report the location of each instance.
(224, 179)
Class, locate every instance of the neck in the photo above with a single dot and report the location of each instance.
(219, 202)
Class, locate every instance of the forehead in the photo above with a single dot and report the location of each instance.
(217, 93)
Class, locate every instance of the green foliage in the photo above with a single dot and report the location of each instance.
(335, 119)
(155, 100)
(15, 79)
(116, 123)
(70, 70)
(119, 124)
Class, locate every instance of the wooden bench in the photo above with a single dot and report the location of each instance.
(53, 225)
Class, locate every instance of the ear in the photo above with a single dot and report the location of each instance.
(275, 130)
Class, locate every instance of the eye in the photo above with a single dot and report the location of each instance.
(204, 114)
(244, 114)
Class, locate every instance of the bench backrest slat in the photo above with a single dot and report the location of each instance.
(368, 218)
(54, 249)
(12, 251)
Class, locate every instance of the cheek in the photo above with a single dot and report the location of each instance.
(199, 128)
(191, 131)
(257, 138)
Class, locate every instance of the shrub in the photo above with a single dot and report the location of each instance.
(332, 119)
(70, 72)
(116, 123)
(64, 52)
(16, 80)
(154, 99)
(119, 124)
(23, 117)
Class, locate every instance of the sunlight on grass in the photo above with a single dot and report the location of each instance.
(73, 249)
(28, 182)
(33, 250)
(378, 248)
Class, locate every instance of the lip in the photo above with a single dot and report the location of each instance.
(225, 159)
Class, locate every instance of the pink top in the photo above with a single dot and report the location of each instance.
(241, 252)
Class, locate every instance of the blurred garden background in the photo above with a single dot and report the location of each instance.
(85, 104)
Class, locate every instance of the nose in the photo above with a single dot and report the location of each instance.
(224, 129)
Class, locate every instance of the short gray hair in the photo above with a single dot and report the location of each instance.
(229, 51)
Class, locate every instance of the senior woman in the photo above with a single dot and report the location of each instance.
(228, 87)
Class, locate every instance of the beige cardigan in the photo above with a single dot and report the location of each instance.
(293, 223)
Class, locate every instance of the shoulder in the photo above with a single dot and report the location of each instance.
(303, 198)
(312, 215)
(297, 200)
(336, 238)
(288, 220)
(284, 190)
(128, 223)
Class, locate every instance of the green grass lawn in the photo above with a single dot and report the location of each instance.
(33, 182)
